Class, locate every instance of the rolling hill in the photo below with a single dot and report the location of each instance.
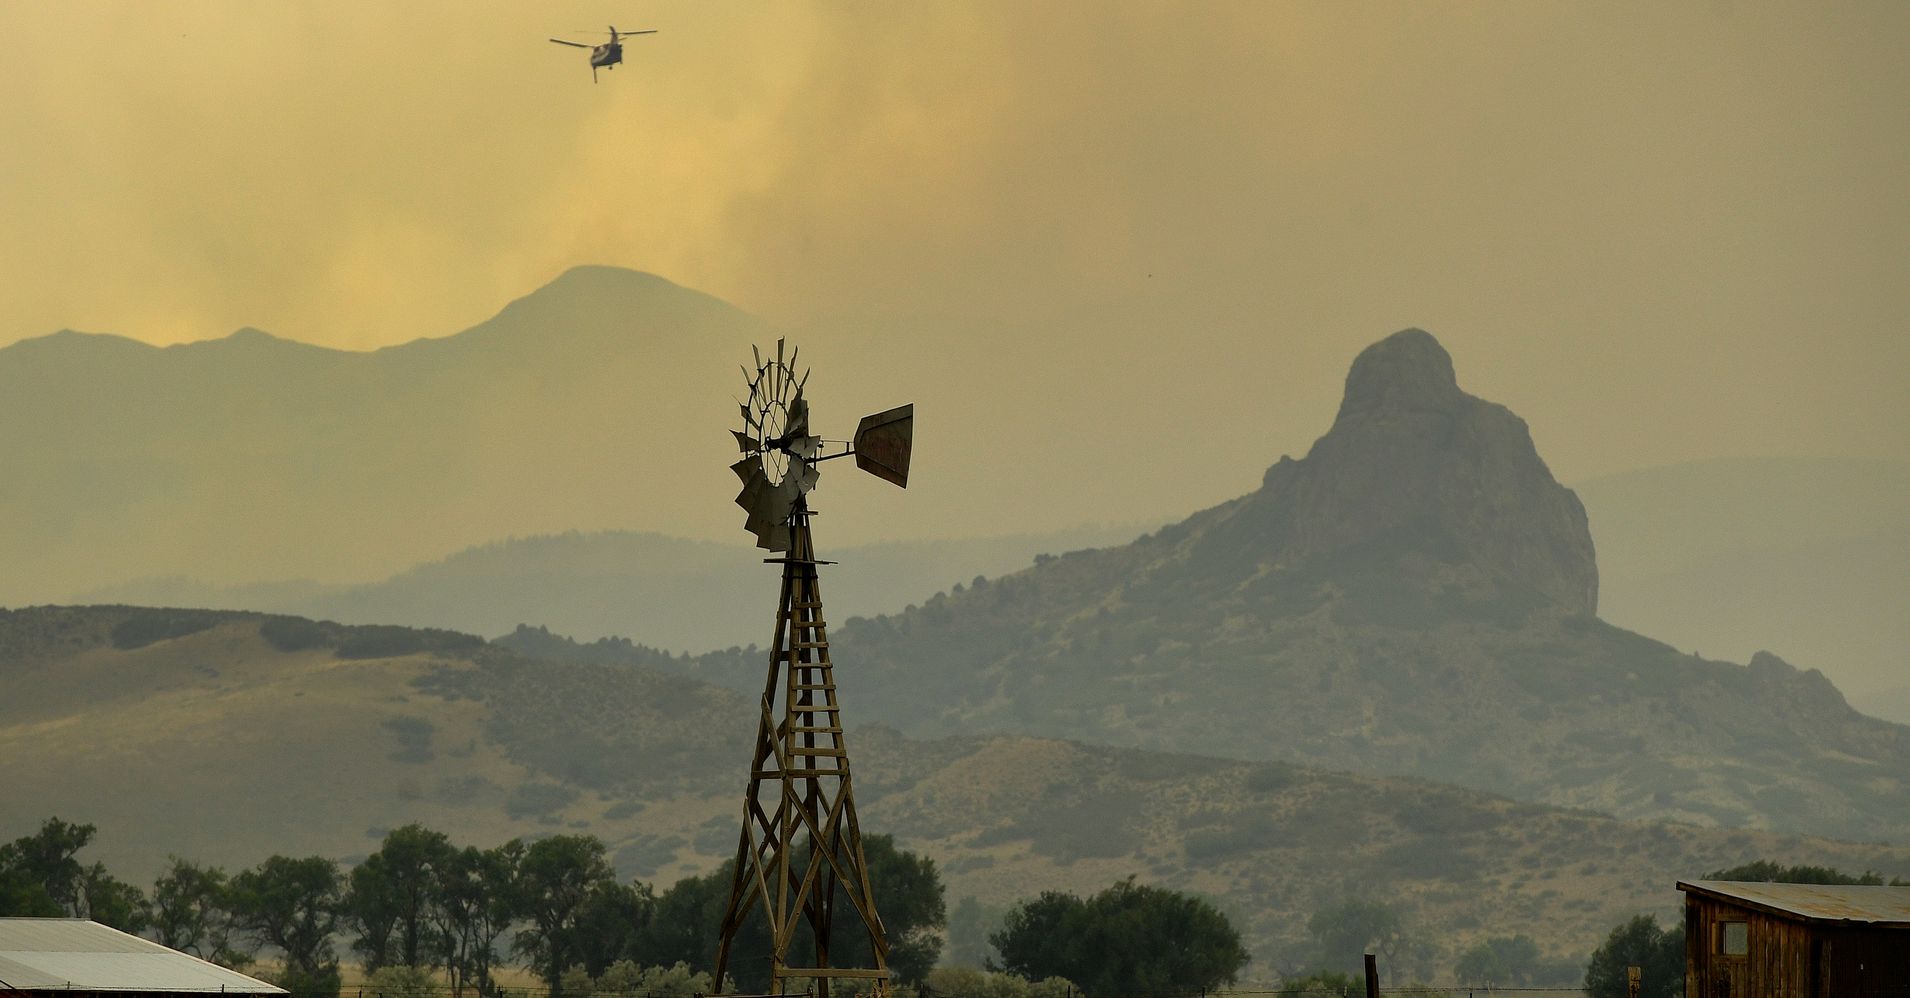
(224, 737)
(673, 593)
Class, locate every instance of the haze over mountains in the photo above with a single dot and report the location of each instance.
(1416, 596)
(1805, 557)
(670, 593)
(253, 458)
(435, 483)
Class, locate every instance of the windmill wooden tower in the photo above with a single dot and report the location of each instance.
(799, 858)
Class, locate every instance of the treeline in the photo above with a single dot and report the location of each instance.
(422, 906)
(423, 903)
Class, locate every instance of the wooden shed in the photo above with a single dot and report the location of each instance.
(78, 958)
(1795, 940)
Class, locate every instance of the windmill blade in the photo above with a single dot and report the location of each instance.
(749, 417)
(884, 442)
(804, 473)
(797, 425)
(787, 495)
(759, 521)
(747, 467)
(746, 443)
(750, 498)
(579, 45)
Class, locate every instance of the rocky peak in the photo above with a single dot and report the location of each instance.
(1414, 464)
(1407, 370)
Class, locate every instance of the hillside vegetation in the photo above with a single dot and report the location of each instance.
(1416, 596)
(225, 737)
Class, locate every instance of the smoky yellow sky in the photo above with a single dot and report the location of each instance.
(1660, 232)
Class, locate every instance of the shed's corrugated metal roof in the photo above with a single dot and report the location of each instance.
(1883, 906)
(41, 954)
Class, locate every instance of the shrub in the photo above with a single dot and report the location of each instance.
(295, 634)
(144, 626)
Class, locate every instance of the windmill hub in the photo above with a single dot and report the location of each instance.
(778, 466)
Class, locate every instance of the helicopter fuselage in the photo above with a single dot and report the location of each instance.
(606, 55)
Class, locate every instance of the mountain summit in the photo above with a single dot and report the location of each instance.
(1415, 465)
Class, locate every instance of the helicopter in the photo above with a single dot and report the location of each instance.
(608, 54)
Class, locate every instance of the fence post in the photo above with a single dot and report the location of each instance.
(1372, 976)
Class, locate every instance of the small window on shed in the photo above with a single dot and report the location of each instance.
(1734, 938)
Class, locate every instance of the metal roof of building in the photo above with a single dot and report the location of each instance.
(76, 954)
(1887, 907)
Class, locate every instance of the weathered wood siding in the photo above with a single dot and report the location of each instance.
(1789, 958)
(1866, 961)
(1777, 963)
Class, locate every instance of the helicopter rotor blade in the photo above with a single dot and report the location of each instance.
(580, 45)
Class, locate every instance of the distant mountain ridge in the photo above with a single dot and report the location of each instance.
(667, 592)
(254, 457)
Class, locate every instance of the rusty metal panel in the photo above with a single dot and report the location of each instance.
(883, 444)
(1864, 904)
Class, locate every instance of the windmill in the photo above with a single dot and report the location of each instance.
(800, 852)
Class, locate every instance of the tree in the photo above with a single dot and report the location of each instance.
(1501, 961)
(1640, 943)
(611, 921)
(108, 900)
(477, 900)
(1346, 932)
(625, 977)
(1126, 939)
(292, 905)
(967, 982)
(1324, 982)
(684, 925)
(1043, 937)
(400, 980)
(392, 896)
(189, 912)
(555, 879)
(1765, 871)
(969, 925)
(39, 874)
(908, 896)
